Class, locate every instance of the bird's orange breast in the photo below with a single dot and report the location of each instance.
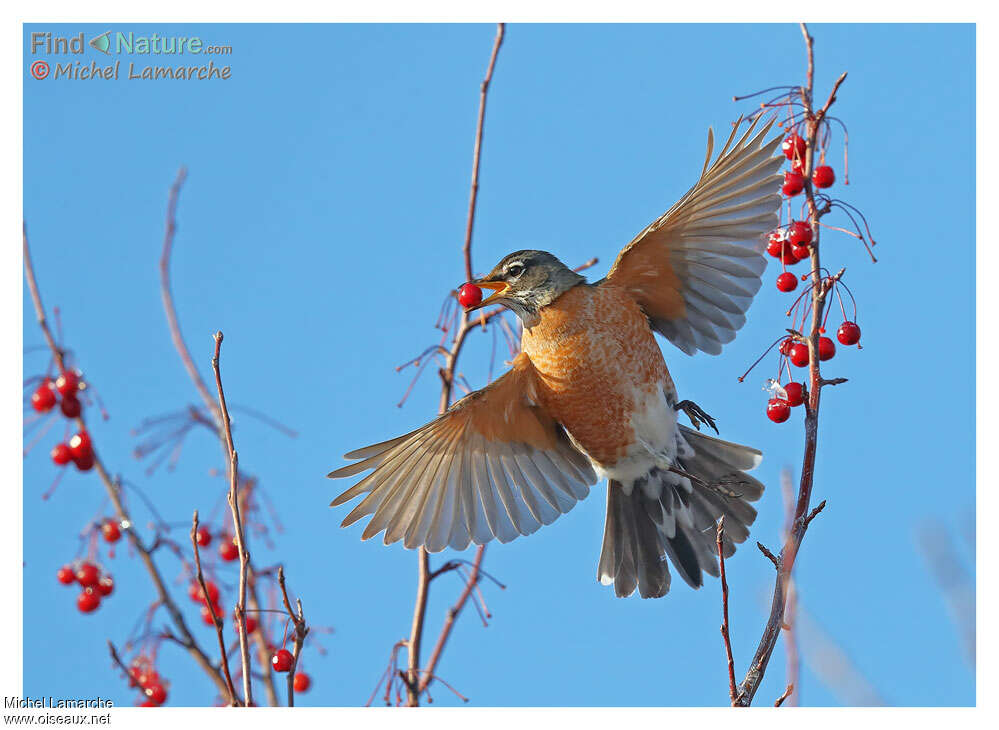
(595, 358)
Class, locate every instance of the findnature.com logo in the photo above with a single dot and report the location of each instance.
(116, 43)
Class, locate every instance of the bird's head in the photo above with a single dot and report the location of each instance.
(527, 281)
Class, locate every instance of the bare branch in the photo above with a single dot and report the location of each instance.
(719, 534)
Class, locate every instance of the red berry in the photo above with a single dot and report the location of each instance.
(156, 694)
(778, 410)
(823, 176)
(111, 531)
(799, 354)
(800, 253)
(848, 333)
(148, 703)
(204, 537)
(228, 549)
(799, 233)
(469, 295)
(798, 166)
(65, 575)
(61, 454)
(794, 147)
(43, 399)
(70, 406)
(251, 624)
(85, 463)
(785, 346)
(795, 393)
(88, 601)
(80, 445)
(775, 244)
(206, 614)
(794, 183)
(827, 348)
(105, 586)
(302, 682)
(788, 256)
(787, 281)
(213, 592)
(67, 383)
(282, 660)
(87, 575)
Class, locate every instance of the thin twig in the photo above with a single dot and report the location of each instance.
(113, 489)
(233, 698)
(719, 534)
(237, 524)
(301, 631)
(787, 693)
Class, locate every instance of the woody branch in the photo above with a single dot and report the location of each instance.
(784, 561)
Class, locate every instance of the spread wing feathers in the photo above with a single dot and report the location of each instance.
(494, 465)
(664, 515)
(696, 269)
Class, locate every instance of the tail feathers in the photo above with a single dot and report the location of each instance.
(665, 515)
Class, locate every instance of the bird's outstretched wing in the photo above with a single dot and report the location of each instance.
(494, 465)
(696, 269)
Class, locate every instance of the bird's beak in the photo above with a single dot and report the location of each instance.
(499, 288)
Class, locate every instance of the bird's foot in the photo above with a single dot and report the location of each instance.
(696, 414)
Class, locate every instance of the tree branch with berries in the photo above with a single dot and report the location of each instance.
(63, 394)
(805, 344)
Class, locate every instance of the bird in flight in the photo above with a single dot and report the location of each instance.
(589, 397)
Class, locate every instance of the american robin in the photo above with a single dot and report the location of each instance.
(589, 396)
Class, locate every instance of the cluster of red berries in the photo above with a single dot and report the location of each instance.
(79, 450)
(227, 544)
(96, 584)
(66, 385)
(794, 181)
(197, 595)
(469, 295)
(790, 245)
(143, 675)
(779, 409)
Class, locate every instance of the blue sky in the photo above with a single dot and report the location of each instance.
(321, 228)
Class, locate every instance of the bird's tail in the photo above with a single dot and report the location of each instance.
(667, 514)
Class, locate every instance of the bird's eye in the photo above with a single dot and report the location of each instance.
(515, 270)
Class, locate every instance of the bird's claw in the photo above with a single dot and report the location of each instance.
(696, 414)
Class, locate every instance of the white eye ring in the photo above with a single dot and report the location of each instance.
(515, 270)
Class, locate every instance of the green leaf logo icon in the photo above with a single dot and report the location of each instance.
(102, 42)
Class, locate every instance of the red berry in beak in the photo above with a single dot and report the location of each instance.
(787, 281)
(827, 348)
(469, 295)
(794, 183)
(799, 233)
(778, 410)
(795, 393)
(823, 176)
(799, 354)
(282, 660)
(43, 399)
(794, 147)
(848, 333)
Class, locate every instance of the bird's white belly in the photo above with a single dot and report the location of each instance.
(656, 440)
